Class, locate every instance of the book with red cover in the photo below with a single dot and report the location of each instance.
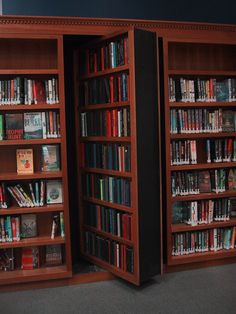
(14, 123)
(39, 92)
(30, 258)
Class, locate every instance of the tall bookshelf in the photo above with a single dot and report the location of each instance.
(118, 185)
(36, 58)
(198, 102)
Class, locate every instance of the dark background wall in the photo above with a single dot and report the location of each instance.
(221, 11)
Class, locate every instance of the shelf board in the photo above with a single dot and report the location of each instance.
(105, 106)
(203, 196)
(108, 204)
(37, 209)
(35, 175)
(28, 71)
(43, 273)
(109, 235)
(105, 139)
(37, 241)
(31, 141)
(201, 257)
(209, 73)
(216, 224)
(42, 106)
(212, 165)
(108, 172)
(105, 72)
(202, 135)
(202, 104)
(114, 270)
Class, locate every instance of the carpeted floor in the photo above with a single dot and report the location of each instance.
(205, 291)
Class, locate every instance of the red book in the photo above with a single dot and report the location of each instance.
(112, 88)
(1, 196)
(229, 148)
(13, 227)
(12, 91)
(102, 59)
(39, 92)
(108, 123)
(114, 123)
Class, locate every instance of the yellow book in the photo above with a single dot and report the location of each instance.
(24, 159)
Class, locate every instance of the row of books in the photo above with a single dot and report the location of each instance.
(110, 123)
(30, 125)
(103, 90)
(195, 182)
(112, 252)
(107, 188)
(31, 194)
(107, 156)
(30, 257)
(203, 241)
(50, 159)
(109, 220)
(110, 55)
(15, 228)
(183, 152)
(221, 150)
(21, 90)
(208, 90)
(202, 121)
(202, 212)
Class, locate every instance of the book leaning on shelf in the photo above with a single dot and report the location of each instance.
(24, 159)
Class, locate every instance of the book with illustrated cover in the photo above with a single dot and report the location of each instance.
(232, 179)
(24, 158)
(228, 123)
(30, 258)
(33, 127)
(29, 225)
(7, 258)
(54, 192)
(177, 213)
(53, 255)
(14, 126)
(204, 182)
(50, 158)
(222, 91)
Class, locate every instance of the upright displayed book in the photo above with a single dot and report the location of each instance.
(199, 106)
(118, 180)
(33, 161)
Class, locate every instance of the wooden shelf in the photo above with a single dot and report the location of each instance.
(106, 72)
(39, 141)
(202, 135)
(42, 107)
(105, 139)
(108, 204)
(200, 257)
(216, 224)
(115, 270)
(109, 235)
(26, 210)
(33, 176)
(202, 104)
(29, 72)
(105, 106)
(209, 73)
(212, 165)
(203, 196)
(108, 172)
(37, 241)
(43, 273)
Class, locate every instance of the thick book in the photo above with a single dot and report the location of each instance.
(53, 255)
(54, 192)
(14, 126)
(222, 91)
(33, 127)
(30, 258)
(29, 225)
(24, 158)
(50, 158)
(228, 123)
(204, 182)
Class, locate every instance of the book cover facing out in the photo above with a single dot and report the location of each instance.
(54, 192)
(33, 128)
(24, 158)
(14, 126)
(50, 158)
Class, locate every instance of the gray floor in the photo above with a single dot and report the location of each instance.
(209, 290)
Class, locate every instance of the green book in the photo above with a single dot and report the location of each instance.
(50, 158)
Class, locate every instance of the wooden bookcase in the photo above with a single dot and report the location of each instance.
(140, 68)
(191, 59)
(35, 57)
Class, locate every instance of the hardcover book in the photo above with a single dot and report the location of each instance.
(14, 126)
(177, 213)
(53, 255)
(7, 260)
(232, 179)
(28, 225)
(54, 192)
(24, 159)
(30, 258)
(222, 91)
(228, 121)
(50, 158)
(204, 182)
(33, 127)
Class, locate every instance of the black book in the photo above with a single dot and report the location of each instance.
(14, 126)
